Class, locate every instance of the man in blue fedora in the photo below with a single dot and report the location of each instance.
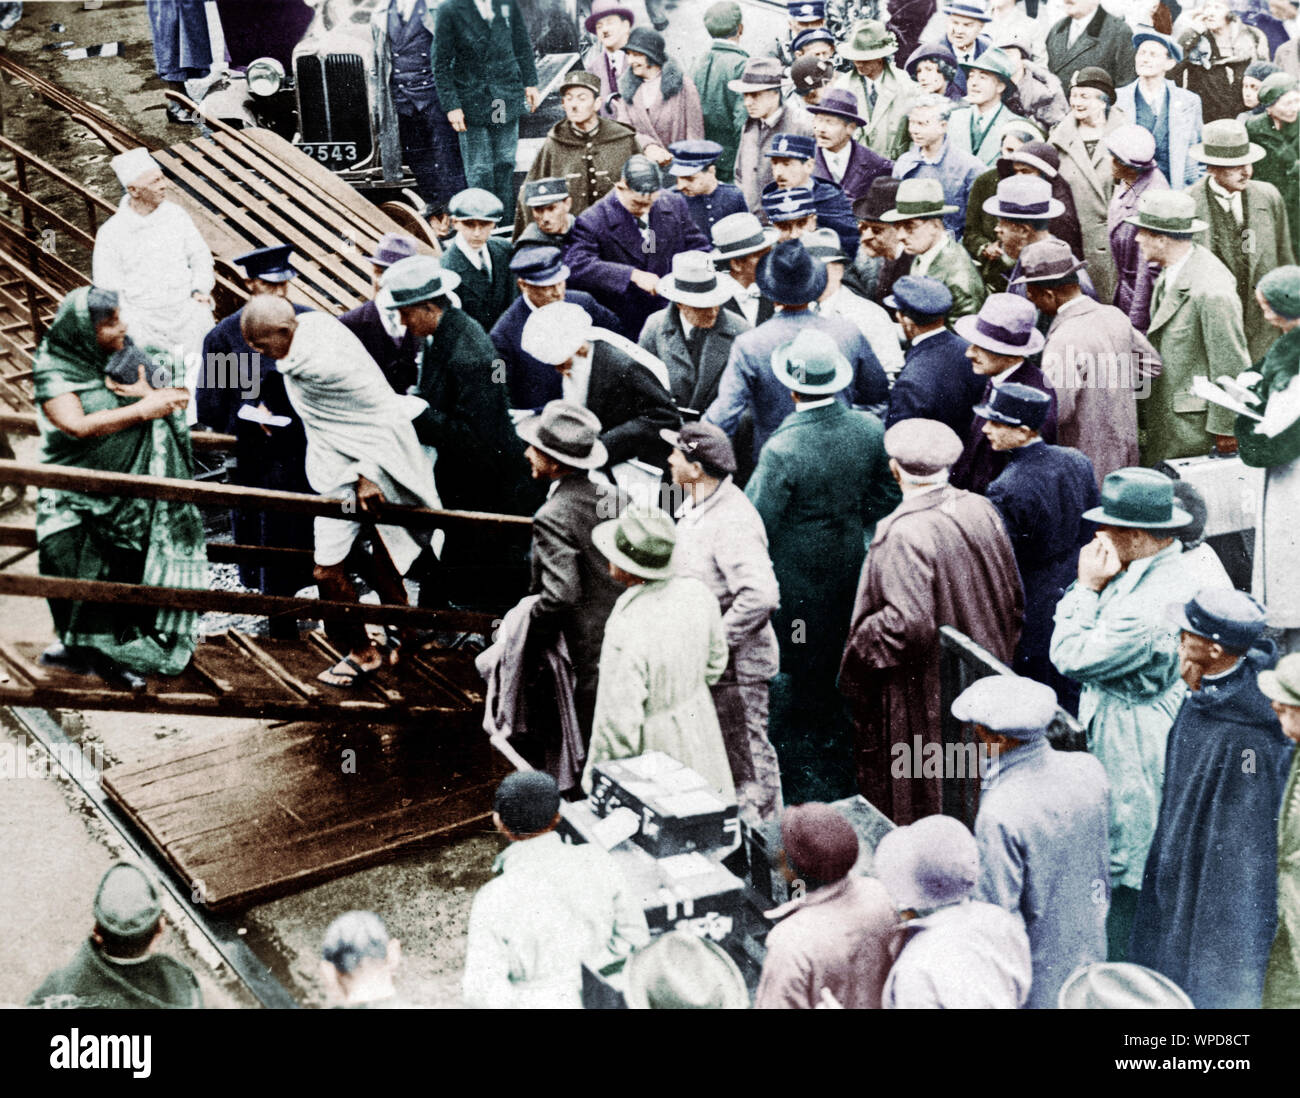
(1041, 495)
(1208, 909)
(694, 166)
(792, 279)
(236, 382)
(541, 278)
(380, 331)
(936, 381)
(1001, 337)
(1113, 637)
(964, 35)
(793, 158)
(821, 483)
(848, 164)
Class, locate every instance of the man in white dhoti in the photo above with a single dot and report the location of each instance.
(153, 256)
(361, 446)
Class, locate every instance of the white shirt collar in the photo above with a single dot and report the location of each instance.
(809, 405)
(838, 162)
(1001, 379)
(922, 262)
(479, 258)
(921, 337)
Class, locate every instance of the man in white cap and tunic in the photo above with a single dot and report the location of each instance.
(151, 253)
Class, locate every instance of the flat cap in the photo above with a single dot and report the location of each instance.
(703, 442)
(923, 446)
(1007, 704)
(127, 904)
(527, 801)
(819, 842)
(475, 204)
(642, 174)
(920, 295)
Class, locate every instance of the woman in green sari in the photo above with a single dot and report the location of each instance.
(90, 420)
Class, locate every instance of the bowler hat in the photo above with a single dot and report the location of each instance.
(918, 198)
(1133, 145)
(1226, 143)
(968, 9)
(840, 102)
(922, 446)
(1150, 34)
(788, 275)
(792, 146)
(1139, 498)
(475, 204)
(1024, 198)
(1172, 213)
(267, 264)
(1281, 289)
(694, 281)
(812, 364)
(1016, 405)
(1090, 76)
(995, 62)
(126, 902)
(392, 248)
(1224, 615)
(416, 279)
(1007, 704)
(1004, 325)
(602, 8)
(929, 864)
(788, 204)
(703, 442)
(640, 541)
(581, 78)
(819, 842)
(527, 801)
(869, 39)
(539, 266)
(1120, 985)
(648, 42)
(545, 192)
(722, 19)
(692, 157)
(759, 74)
(740, 234)
(567, 432)
(1282, 684)
(553, 333)
(919, 295)
(878, 200)
(682, 971)
(1048, 260)
(642, 174)
(1274, 87)
(810, 73)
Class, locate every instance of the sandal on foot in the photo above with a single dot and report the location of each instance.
(348, 680)
(391, 652)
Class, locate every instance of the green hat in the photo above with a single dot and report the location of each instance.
(580, 78)
(1140, 498)
(1282, 684)
(869, 40)
(639, 541)
(1276, 86)
(682, 971)
(475, 204)
(127, 903)
(413, 280)
(1170, 212)
(1281, 289)
(993, 61)
(812, 364)
(918, 198)
(722, 20)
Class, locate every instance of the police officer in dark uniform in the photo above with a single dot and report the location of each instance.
(697, 181)
(551, 210)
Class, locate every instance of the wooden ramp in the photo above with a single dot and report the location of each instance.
(252, 815)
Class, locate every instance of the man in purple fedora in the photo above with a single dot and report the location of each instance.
(848, 164)
(761, 86)
(793, 279)
(1001, 336)
(610, 22)
(1134, 171)
(376, 324)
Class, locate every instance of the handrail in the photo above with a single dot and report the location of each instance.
(24, 423)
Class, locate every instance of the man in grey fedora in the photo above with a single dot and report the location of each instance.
(568, 572)
(1233, 205)
(1196, 325)
(739, 244)
(761, 85)
(919, 211)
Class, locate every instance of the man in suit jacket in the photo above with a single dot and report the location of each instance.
(1096, 361)
(610, 22)
(1171, 114)
(542, 278)
(485, 75)
(1237, 209)
(693, 336)
(1001, 337)
(1090, 36)
(936, 381)
(934, 155)
(626, 242)
(480, 259)
(1196, 327)
(963, 37)
(919, 209)
(623, 385)
(883, 93)
(723, 62)
(792, 279)
(848, 164)
(569, 573)
(760, 88)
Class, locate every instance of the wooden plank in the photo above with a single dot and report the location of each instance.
(27, 201)
(273, 667)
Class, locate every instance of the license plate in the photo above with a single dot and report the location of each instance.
(333, 154)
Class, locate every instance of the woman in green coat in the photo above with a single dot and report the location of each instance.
(88, 420)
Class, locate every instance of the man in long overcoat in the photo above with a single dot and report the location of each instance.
(1134, 171)
(942, 558)
(723, 62)
(1090, 36)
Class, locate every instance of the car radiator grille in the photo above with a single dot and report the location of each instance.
(332, 100)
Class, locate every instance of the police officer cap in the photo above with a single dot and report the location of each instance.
(920, 295)
(127, 903)
(1226, 616)
(475, 204)
(268, 264)
(527, 802)
(1007, 704)
(792, 146)
(923, 446)
(545, 192)
(642, 174)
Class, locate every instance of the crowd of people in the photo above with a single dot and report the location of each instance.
(796, 357)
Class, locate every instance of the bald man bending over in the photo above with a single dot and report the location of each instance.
(361, 447)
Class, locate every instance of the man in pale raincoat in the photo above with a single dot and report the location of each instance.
(664, 647)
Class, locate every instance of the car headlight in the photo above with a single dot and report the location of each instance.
(265, 76)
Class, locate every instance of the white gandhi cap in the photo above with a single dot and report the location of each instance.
(132, 164)
(554, 332)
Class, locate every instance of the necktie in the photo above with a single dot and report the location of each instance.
(485, 261)
(694, 342)
(643, 226)
(870, 86)
(1157, 293)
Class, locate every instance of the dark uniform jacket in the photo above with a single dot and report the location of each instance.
(834, 211)
(936, 382)
(483, 295)
(97, 983)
